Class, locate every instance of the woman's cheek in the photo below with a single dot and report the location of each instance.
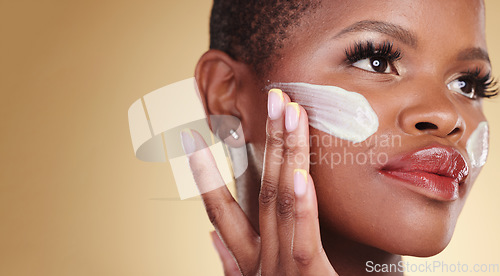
(334, 110)
(478, 144)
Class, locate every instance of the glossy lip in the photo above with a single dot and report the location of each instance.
(435, 172)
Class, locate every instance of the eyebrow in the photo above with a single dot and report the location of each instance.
(474, 53)
(395, 31)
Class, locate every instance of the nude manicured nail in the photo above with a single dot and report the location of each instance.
(187, 139)
(300, 181)
(275, 104)
(292, 116)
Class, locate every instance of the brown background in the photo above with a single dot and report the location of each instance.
(73, 198)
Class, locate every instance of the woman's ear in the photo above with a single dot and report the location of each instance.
(217, 76)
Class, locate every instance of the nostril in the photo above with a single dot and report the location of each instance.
(456, 130)
(425, 126)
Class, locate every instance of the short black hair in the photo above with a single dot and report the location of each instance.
(253, 31)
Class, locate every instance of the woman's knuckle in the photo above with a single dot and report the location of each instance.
(215, 212)
(303, 257)
(268, 192)
(199, 172)
(290, 152)
(302, 214)
(286, 204)
(275, 138)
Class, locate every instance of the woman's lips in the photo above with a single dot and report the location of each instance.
(435, 172)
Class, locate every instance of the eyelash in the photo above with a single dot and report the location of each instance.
(484, 87)
(368, 49)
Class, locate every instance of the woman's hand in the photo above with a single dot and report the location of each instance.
(289, 242)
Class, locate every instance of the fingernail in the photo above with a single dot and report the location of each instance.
(275, 103)
(187, 140)
(292, 116)
(300, 181)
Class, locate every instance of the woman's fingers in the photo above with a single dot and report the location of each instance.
(308, 252)
(295, 155)
(289, 241)
(224, 212)
(228, 262)
(273, 158)
(287, 148)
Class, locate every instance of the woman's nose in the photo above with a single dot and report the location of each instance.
(432, 113)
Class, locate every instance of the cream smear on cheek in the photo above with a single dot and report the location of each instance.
(333, 110)
(477, 145)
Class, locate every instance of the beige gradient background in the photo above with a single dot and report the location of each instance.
(73, 198)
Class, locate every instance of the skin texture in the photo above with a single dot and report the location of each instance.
(363, 214)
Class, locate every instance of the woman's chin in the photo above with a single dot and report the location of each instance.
(401, 236)
(421, 246)
(422, 240)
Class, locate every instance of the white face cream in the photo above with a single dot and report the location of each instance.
(333, 110)
(477, 145)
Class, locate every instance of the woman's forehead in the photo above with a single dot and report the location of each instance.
(444, 19)
(442, 30)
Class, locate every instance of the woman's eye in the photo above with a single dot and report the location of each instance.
(374, 64)
(462, 86)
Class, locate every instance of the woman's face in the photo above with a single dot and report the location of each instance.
(365, 191)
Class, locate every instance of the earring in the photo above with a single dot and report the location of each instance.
(234, 134)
